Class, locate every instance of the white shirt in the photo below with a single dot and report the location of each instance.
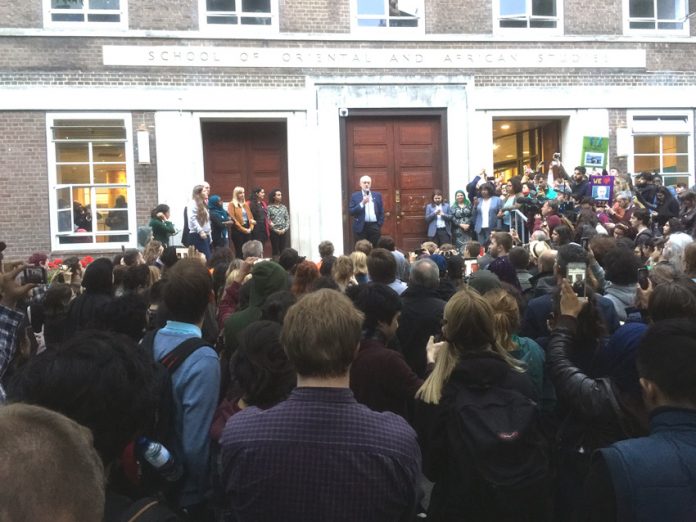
(370, 216)
(439, 223)
(485, 211)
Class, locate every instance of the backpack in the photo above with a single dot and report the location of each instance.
(185, 232)
(506, 463)
(163, 424)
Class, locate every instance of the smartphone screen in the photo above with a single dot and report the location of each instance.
(643, 280)
(585, 243)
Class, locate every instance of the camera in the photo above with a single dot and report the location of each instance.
(343, 112)
(557, 156)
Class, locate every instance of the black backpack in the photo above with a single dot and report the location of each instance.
(505, 463)
(163, 424)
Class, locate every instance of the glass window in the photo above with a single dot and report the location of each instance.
(523, 14)
(652, 15)
(111, 12)
(91, 199)
(239, 12)
(664, 154)
(389, 13)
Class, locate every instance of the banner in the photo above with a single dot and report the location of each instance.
(594, 152)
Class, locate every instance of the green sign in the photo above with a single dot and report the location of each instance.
(594, 152)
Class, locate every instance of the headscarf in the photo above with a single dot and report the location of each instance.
(216, 209)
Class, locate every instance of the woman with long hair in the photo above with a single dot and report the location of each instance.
(343, 272)
(244, 221)
(279, 220)
(199, 219)
(161, 227)
(259, 210)
(472, 366)
(461, 220)
(359, 266)
(305, 274)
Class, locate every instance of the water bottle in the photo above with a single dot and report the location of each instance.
(160, 458)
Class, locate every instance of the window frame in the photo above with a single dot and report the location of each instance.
(203, 24)
(531, 31)
(122, 24)
(391, 30)
(684, 31)
(54, 186)
(648, 123)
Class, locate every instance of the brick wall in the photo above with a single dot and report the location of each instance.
(146, 197)
(172, 15)
(596, 17)
(27, 13)
(24, 215)
(314, 16)
(455, 16)
(617, 120)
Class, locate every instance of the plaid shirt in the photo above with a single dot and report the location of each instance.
(320, 456)
(9, 328)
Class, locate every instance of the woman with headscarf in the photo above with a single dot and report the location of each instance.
(219, 221)
(98, 284)
(461, 220)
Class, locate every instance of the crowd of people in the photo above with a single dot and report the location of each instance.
(484, 376)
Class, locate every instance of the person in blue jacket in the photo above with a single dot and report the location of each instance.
(653, 478)
(438, 216)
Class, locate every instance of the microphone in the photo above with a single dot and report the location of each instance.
(367, 192)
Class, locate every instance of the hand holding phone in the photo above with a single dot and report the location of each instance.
(643, 278)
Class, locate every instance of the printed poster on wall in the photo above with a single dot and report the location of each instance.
(594, 152)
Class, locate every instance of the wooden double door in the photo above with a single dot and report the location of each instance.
(245, 154)
(404, 157)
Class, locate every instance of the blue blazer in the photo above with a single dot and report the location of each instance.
(358, 212)
(496, 206)
(431, 218)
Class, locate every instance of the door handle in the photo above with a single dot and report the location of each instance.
(387, 214)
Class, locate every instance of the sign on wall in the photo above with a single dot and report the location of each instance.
(366, 58)
(594, 152)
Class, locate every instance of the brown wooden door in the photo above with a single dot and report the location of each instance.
(249, 155)
(402, 155)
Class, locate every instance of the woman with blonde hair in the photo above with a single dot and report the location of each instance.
(199, 219)
(478, 424)
(342, 272)
(244, 222)
(153, 250)
(359, 266)
(506, 319)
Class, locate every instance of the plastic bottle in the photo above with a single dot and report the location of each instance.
(160, 458)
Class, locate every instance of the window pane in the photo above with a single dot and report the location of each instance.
(111, 198)
(675, 144)
(646, 144)
(374, 7)
(65, 221)
(86, 129)
(59, 17)
(254, 20)
(372, 23)
(104, 4)
(256, 6)
(544, 7)
(67, 4)
(63, 197)
(646, 163)
(72, 152)
(673, 163)
(220, 5)
(109, 174)
(544, 24)
(641, 9)
(642, 25)
(673, 180)
(103, 18)
(222, 20)
(670, 25)
(73, 174)
(512, 7)
(109, 152)
(513, 23)
(403, 22)
(670, 9)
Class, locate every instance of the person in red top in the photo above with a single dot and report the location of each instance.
(380, 377)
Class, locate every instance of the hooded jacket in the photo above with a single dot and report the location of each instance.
(267, 277)
(622, 297)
